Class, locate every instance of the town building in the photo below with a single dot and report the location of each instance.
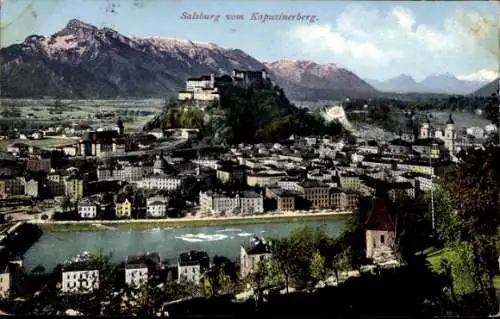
(344, 199)
(139, 268)
(87, 209)
(74, 187)
(253, 254)
(349, 180)
(123, 207)
(266, 178)
(102, 143)
(160, 181)
(80, 275)
(39, 165)
(380, 232)
(231, 173)
(285, 199)
(31, 188)
(11, 186)
(56, 185)
(247, 202)
(316, 193)
(192, 265)
(156, 207)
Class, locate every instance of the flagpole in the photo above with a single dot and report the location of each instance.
(432, 188)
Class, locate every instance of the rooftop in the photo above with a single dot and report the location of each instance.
(257, 246)
(379, 218)
(193, 258)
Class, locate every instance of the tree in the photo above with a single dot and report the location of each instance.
(317, 268)
(341, 262)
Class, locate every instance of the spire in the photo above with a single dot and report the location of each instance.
(450, 120)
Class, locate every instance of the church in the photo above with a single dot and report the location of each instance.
(414, 131)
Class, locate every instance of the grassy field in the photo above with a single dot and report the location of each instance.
(436, 256)
(176, 223)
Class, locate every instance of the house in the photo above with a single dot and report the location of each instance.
(87, 209)
(80, 275)
(253, 253)
(380, 232)
(138, 268)
(156, 206)
(191, 265)
(123, 207)
(11, 186)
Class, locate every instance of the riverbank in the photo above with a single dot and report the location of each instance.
(100, 225)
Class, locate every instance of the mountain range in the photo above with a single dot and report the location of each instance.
(84, 61)
(443, 83)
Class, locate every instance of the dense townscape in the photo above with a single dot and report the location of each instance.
(409, 185)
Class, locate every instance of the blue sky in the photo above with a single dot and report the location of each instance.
(375, 40)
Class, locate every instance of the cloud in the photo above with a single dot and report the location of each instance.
(375, 39)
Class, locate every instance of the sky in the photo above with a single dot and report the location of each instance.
(374, 39)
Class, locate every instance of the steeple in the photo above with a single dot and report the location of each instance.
(450, 120)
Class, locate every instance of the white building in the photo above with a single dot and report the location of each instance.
(192, 265)
(253, 254)
(156, 206)
(31, 188)
(138, 268)
(247, 202)
(70, 150)
(87, 209)
(80, 276)
(160, 182)
(490, 128)
(475, 131)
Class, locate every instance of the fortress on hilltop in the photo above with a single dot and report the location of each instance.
(209, 87)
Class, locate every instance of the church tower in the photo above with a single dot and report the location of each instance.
(380, 232)
(425, 129)
(450, 134)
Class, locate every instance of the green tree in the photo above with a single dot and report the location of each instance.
(317, 268)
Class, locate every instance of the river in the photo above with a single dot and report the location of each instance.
(53, 248)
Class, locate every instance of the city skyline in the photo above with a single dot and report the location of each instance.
(375, 40)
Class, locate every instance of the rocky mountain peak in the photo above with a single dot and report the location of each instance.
(78, 25)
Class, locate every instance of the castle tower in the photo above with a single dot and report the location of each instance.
(380, 232)
(450, 134)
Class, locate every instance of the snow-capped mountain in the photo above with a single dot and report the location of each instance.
(85, 61)
(301, 76)
(440, 83)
